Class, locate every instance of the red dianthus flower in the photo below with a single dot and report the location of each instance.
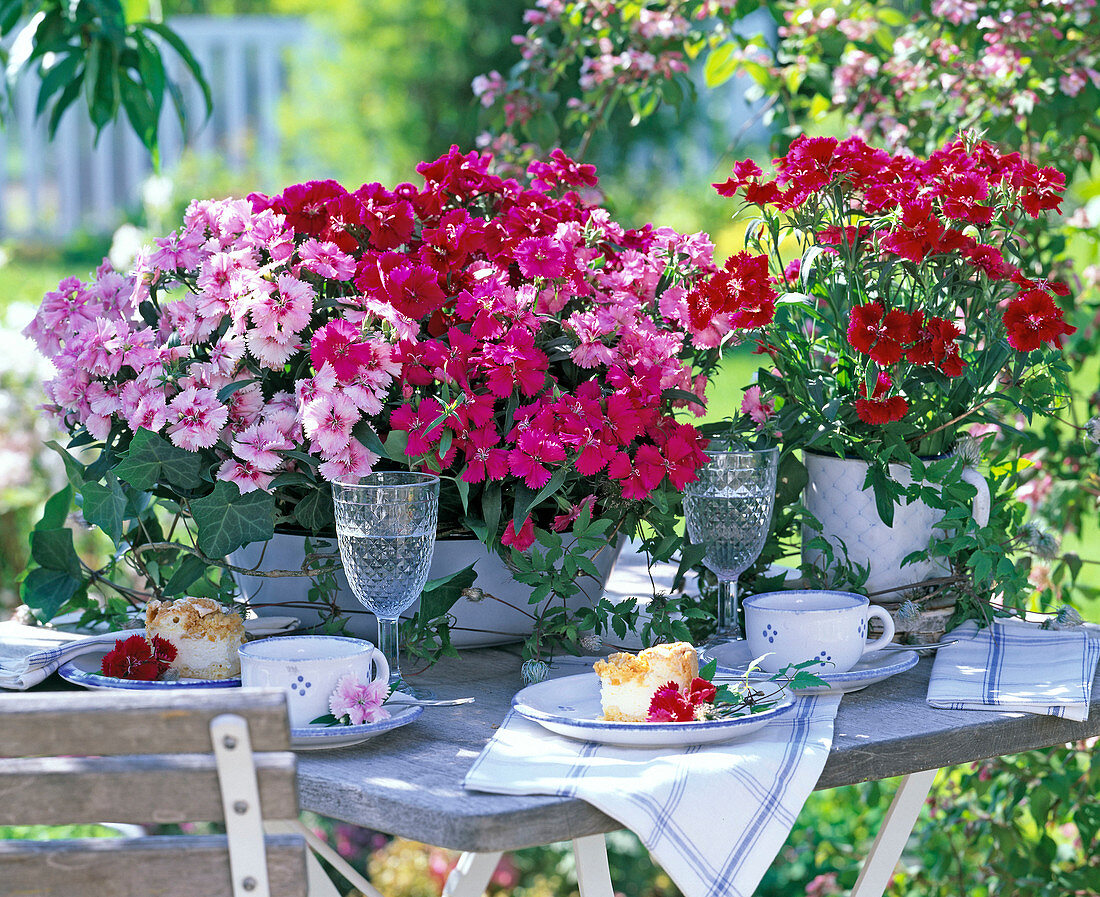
(742, 290)
(918, 234)
(1032, 319)
(934, 344)
(338, 344)
(136, 658)
(522, 540)
(881, 336)
(880, 409)
(668, 705)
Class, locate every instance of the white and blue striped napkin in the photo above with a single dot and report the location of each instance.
(28, 654)
(714, 816)
(1013, 665)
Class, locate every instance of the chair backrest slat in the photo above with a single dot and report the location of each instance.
(141, 867)
(41, 724)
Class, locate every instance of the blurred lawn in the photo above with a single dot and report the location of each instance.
(27, 280)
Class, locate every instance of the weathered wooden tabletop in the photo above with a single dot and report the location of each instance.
(408, 782)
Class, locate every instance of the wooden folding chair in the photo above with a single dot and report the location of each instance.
(150, 758)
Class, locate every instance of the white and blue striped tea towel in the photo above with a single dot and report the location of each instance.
(714, 816)
(1013, 665)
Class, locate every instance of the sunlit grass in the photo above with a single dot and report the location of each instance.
(28, 280)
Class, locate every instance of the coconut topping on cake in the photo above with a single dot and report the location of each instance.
(205, 633)
(629, 681)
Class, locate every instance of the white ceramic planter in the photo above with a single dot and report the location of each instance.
(492, 620)
(835, 495)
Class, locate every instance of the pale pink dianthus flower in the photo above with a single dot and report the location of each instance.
(355, 703)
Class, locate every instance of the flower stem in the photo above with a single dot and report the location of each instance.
(915, 440)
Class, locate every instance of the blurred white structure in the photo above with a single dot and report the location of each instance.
(48, 189)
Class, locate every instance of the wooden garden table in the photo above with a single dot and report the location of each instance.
(408, 782)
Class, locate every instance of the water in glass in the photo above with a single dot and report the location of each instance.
(387, 574)
(731, 525)
(728, 511)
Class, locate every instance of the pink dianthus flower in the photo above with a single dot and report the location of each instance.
(355, 703)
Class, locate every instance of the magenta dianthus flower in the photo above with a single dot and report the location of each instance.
(338, 344)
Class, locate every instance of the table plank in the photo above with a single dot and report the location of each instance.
(408, 782)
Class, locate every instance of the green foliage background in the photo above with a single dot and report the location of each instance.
(397, 88)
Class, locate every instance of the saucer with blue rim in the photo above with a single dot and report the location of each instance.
(733, 659)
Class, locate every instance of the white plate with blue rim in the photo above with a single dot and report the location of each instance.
(315, 738)
(85, 670)
(570, 706)
(734, 658)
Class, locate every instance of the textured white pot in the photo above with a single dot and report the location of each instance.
(835, 495)
(491, 620)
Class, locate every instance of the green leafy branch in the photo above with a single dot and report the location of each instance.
(146, 498)
(87, 48)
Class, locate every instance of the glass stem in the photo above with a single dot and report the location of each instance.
(728, 625)
(387, 644)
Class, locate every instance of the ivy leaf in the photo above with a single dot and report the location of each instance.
(47, 591)
(396, 443)
(227, 520)
(57, 509)
(791, 480)
(53, 549)
(105, 506)
(365, 434)
(75, 471)
(190, 570)
(315, 512)
(440, 595)
(152, 459)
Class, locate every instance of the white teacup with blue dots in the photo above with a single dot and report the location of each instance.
(307, 668)
(826, 627)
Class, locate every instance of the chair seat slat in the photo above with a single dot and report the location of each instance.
(142, 867)
(38, 724)
(147, 757)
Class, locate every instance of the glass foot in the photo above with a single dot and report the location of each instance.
(721, 638)
(397, 683)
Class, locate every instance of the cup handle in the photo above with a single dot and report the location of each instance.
(980, 510)
(381, 667)
(887, 628)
